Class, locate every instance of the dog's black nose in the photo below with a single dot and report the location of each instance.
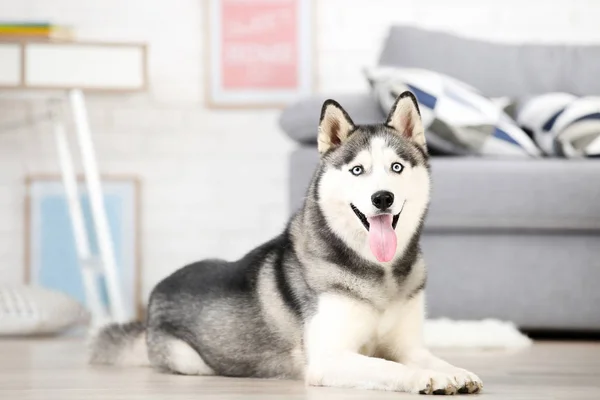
(382, 199)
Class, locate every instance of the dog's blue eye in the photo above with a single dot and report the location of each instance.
(397, 167)
(356, 171)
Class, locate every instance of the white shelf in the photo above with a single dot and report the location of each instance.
(68, 65)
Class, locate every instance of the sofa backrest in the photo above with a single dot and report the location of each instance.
(494, 68)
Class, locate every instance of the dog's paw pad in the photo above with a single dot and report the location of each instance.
(474, 386)
(466, 381)
(437, 383)
(427, 389)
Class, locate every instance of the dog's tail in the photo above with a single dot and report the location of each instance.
(120, 344)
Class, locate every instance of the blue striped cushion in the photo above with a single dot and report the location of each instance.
(457, 118)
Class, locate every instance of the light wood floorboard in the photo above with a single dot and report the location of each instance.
(53, 369)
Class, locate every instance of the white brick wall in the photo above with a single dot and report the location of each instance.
(197, 164)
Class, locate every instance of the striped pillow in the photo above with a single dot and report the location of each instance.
(458, 119)
(563, 124)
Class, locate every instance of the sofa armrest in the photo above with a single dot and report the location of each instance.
(301, 119)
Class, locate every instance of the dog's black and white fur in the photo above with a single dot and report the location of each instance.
(318, 302)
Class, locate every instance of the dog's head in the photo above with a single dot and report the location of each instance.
(374, 184)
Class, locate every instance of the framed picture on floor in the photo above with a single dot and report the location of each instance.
(50, 252)
(260, 53)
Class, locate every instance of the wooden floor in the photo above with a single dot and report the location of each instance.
(53, 369)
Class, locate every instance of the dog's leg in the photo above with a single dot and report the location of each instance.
(334, 338)
(401, 338)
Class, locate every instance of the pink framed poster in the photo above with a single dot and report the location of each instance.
(260, 52)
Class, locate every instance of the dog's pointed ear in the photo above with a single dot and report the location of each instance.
(405, 118)
(334, 127)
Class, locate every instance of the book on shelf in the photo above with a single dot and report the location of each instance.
(34, 30)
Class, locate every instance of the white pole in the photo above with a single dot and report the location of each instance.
(69, 180)
(92, 177)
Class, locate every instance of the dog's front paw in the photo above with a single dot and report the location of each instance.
(426, 381)
(466, 381)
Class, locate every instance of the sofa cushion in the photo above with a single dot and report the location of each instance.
(563, 124)
(537, 114)
(300, 121)
(497, 69)
(459, 120)
(487, 194)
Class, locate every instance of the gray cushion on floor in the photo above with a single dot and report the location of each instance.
(497, 69)
(301, 120)
(33, 310)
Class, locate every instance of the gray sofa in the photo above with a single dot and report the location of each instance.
(512, 239)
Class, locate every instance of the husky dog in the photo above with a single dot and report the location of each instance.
(336, 299)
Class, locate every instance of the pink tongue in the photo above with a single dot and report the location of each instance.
(382, 237)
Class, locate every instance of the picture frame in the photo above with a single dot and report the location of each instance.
(260, 53)
(51, 258)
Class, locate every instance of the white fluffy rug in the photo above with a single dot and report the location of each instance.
(485, 334)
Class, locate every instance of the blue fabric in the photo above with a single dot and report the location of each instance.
(500, 134)
(423, 97)
(550, 123)
(587, 117)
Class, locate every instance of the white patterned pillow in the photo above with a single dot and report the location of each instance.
(563, 124)
(457, 118)
(29, 310)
